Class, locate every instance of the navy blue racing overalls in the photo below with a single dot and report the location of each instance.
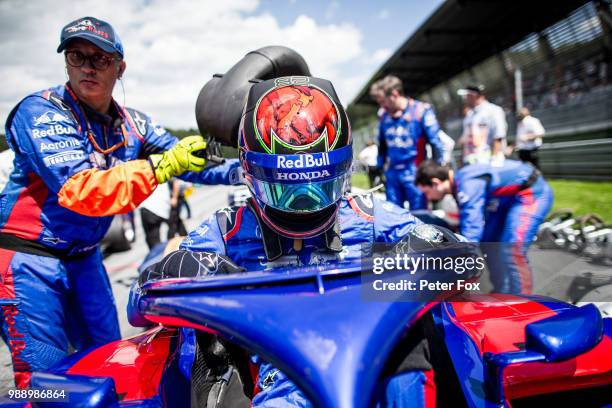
(502, 207)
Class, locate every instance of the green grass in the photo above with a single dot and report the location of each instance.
(360, 180)
(582, 197)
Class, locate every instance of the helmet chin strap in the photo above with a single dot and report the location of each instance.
(281, 222)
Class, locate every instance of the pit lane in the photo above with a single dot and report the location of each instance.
(555, 271)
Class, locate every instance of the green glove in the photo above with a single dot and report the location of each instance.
(179, 159)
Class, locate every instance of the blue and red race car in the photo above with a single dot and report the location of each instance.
(492, 350)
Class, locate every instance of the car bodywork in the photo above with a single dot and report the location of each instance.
(504, 349)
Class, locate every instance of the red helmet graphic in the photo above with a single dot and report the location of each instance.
(298, 117)
(290, 115)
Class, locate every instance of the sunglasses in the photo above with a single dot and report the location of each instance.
(98, 61)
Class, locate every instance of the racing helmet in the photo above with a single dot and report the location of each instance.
(296, 151)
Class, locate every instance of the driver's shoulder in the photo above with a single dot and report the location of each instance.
(213, 230)
(360, 204)
(232, 219)
(369, 207)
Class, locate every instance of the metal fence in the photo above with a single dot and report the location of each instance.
(585, 159)
(566, 74)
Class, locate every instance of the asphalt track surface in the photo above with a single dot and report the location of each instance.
(555, 271)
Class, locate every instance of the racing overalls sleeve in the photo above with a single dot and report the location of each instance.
(97, 192)
(226, 173)
(205, 238)
(57, 151)
(471, 197)
(157, 139)
(431, 128)
(382, 146)
(392, 223)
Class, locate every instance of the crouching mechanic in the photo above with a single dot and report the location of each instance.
(80, 158)
(296, 152)
(497, 204)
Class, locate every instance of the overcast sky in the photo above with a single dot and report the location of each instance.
(173, 47)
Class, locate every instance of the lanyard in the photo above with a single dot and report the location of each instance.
(90, 134)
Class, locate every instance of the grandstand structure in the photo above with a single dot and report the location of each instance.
(559, 55)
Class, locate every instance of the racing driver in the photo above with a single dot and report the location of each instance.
(80, 158)
(296, 151)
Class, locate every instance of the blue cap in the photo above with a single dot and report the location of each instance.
(97, 32)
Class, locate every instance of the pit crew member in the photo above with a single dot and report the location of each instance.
(405, 128)
(497, 204)
(80, 158)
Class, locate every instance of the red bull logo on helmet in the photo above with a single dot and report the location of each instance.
(303, 161)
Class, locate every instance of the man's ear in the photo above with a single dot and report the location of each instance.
(121, 69)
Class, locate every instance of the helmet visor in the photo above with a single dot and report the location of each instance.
(307, 197)
(298, 182)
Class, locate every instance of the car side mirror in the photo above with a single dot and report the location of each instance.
(566, 335)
